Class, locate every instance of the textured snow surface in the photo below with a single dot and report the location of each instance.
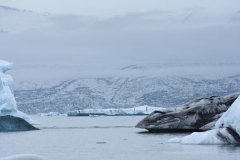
(227, 130)
(8, 104)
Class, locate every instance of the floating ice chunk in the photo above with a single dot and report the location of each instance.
(140, 110)
(227, 130)
(208, 137)
(23, 157)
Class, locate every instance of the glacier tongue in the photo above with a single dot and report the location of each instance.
(8, 105)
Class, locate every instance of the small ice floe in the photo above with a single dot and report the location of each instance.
(24, 157)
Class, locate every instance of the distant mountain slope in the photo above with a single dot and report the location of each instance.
(122, 92)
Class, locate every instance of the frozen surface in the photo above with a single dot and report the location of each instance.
(227, 130)
(107, 138)
(8, 105)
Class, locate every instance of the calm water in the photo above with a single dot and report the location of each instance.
(104, 138)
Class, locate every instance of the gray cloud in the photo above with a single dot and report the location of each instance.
(192, 37)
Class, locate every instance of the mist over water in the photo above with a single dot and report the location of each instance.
(186, 39)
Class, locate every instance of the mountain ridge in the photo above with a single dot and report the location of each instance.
(122, 93)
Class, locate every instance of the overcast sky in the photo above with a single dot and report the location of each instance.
(107, 8)
(104, 35)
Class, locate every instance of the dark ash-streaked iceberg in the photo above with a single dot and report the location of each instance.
(199, 115)
(226, 131)
(12, 124)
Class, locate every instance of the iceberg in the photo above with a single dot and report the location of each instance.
(8, 105)
(23, 157)
(199, 115)
(226, 131)
(12, 124)
(49, 114)
(140, 110)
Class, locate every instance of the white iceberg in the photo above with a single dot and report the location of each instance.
(8, 105)
(140, 110)
(227, 130)
(49, 114)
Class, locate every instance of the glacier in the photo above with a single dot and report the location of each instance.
(226, 131)
(8, 105)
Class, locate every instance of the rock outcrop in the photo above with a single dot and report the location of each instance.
(199, 115)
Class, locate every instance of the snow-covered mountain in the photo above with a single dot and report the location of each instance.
(119, 92)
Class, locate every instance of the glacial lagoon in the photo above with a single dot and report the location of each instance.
(104, 138)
